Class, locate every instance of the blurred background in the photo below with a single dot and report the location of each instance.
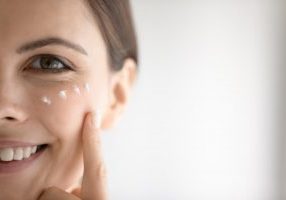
(205, 118)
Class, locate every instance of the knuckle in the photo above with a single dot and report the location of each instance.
(48, 193)
(52, 190)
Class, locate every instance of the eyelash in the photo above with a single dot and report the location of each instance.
(38, 61)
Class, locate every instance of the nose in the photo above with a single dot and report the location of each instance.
(11, 104)
(11, 114)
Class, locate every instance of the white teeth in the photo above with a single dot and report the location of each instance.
(34, 149)
(27, 152)
(6, 154)
(18, 153)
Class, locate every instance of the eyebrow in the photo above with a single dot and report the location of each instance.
(50, 41)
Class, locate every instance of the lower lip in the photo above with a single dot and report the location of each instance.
(15, 166)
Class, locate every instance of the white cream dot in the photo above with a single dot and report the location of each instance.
(87, 87)
(76, 89)
(46, 100)
(63, 94)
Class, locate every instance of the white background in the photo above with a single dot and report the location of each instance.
(201, 123)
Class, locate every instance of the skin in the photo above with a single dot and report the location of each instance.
(64, 125)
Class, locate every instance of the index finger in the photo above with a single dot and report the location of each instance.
(94, 177)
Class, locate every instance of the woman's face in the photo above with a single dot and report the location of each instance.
(46, 88)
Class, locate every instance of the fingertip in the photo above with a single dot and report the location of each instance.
(91, 130)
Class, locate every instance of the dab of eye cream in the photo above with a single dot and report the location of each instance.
(76, 89)
(87, 87)
(63, 94)
(46, 100)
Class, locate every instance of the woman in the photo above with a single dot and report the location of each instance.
(66, 70)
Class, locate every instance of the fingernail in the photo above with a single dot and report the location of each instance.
(96, 119)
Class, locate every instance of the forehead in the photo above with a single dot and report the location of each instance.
(22, 20)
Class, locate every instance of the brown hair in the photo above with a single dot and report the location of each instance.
(115, 22)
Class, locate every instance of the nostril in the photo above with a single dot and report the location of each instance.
(10, 118)
(11, 114)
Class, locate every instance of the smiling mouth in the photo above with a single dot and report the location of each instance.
(10, 154)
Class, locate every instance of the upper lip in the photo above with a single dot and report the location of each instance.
(14, 143)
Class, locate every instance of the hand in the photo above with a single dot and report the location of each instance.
(94, 178)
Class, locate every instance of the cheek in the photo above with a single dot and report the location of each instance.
(61, 109)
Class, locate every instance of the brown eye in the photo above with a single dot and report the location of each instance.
(49, 63)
